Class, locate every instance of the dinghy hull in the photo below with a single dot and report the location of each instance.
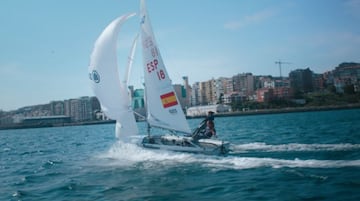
(186, 144)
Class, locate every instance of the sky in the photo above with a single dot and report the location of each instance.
(46, 44)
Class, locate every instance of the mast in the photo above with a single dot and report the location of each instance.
(130, 61)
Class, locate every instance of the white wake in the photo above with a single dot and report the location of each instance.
(263, 147)
(122, 154)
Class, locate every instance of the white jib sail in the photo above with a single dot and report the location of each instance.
(163, 107)
(105, 81)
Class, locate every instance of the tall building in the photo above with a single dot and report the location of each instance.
(222, 90)
(318, 82)
(346, 75)
(202, 93)
(80, 109)
(348, 70)
(219, 90)
(95, 107)
(138, 103)
(67, 107)
(208, 92)
(301, 80)
(188, 92)
(181, 95)
(227, 85)
(95, 104)
(244, 84)
(195, 94)
(57, 108)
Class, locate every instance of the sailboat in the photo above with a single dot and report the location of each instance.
(163, 108)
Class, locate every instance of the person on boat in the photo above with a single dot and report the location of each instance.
(202, 126)
(209, 117)
(210, 129)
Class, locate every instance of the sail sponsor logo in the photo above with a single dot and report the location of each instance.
(173, 111)
(168, 99)
(94, 76)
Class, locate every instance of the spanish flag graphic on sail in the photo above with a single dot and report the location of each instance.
(168, 99)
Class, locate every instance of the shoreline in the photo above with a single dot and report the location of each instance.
(281, 110)
(228, 114)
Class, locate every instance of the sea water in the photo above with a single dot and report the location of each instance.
(293, 156)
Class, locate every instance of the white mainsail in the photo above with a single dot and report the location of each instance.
(105, 81)
(163, 107)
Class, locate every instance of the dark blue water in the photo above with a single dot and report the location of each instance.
(295, 156)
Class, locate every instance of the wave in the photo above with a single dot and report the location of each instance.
(122, 154)
(253, 162)
(263, 147)
(127, 154)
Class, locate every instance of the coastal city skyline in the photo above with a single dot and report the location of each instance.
(243, 94)
(46, 45)
(337, 78)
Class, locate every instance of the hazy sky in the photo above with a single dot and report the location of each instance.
(46, 44)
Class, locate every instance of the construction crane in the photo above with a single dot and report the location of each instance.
(280, 63)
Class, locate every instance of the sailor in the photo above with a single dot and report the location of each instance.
(209, 117)
(202, 126)
(210, 129)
